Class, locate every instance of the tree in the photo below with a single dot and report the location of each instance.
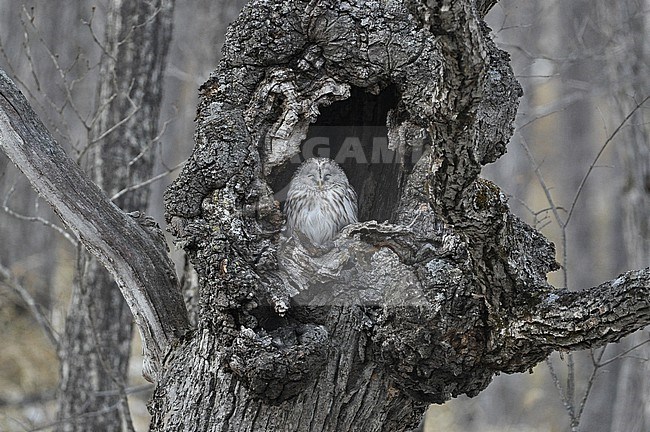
(626, 25)
(434, 302)
(96, 346)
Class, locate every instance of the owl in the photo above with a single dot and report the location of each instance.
(320, 201)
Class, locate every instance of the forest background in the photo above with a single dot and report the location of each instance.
(583, 68)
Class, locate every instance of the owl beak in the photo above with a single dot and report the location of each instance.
(320, 183)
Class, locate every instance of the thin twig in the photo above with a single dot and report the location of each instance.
(89, 24)
(105, 133)
(9, 280)
(567, 398)
(555, 210)
(8, 210)
(558, 385)
(592, 378)
(151, 143)
(54, 58)
(571, 384)
(77, 418)
(547, 191)
(600, 152)
(146, 182)
(624, 353)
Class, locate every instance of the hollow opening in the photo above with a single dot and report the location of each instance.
(353, 132)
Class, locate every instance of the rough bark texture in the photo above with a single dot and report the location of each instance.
(446, 291)
(96, 345)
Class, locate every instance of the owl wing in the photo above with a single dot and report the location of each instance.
(348, 207)
(290, 213)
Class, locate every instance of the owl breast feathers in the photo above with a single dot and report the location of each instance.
(320, 201)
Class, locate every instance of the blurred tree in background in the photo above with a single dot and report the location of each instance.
(119, 152)
(583, 65)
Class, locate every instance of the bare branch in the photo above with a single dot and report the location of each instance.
(569, 320)
(139, 264)
(147, 182)
(8, 280)
(38, 219)
(600, 152)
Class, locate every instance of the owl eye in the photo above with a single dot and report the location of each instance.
(327, 176)
(311, 176)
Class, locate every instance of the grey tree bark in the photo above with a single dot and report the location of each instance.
(96, 346)
(445, 291)
(455, 290)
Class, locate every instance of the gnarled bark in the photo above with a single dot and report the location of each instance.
(443, 290)
(447, 290)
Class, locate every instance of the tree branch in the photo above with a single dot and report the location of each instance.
(449, 292)
(139, 263)
(571, 320)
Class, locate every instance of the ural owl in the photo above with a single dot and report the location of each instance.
(320, 201)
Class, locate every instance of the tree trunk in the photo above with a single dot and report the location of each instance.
(363, 336)
(97, 341)
(447, 290)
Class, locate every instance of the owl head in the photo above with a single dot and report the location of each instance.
(320, 174)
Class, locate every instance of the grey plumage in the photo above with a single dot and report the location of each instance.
(320, 201)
